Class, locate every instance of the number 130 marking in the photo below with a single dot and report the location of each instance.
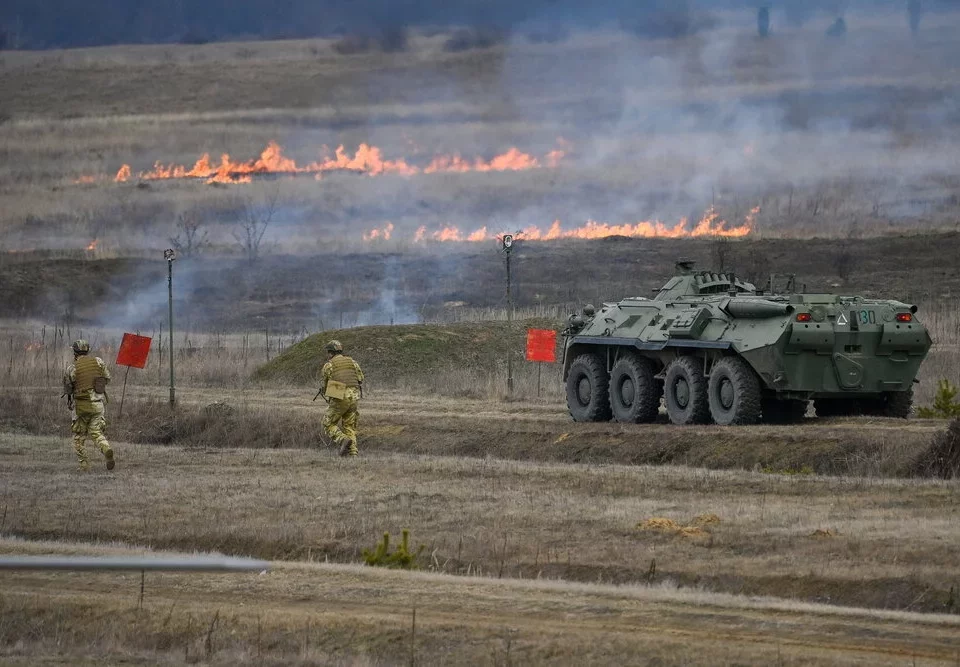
(867, 317)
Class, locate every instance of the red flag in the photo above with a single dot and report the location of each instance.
(541, 345)
(134, 350)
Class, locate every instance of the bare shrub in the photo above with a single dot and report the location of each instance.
(194, 37)
(466, 39)
(254, 220)
(943, 458)
(392, 39)
(844, 260)
(720, 250)
(191, 238)
(672, 20)
(755, 265)
(349, 45)
(548, 34)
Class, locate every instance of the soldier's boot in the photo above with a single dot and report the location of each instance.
(108, 454)
(345, 445)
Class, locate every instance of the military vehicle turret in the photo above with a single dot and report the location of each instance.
(717, 349)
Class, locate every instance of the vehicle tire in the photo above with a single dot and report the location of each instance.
(685, 392)
(898, 403)
(588, 389)
(788, 411)
(734, 392)
(634, 392)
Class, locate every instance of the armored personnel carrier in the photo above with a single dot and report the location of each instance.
(717, 349)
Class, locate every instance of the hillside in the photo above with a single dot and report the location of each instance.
(409, 353)
(375, 285)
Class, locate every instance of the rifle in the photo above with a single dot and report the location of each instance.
(320, 391)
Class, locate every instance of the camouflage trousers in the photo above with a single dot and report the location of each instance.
(340, 422)
(89, 423)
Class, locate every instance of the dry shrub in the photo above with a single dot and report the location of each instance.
(466, 39)
(349, 45)
(942, 459)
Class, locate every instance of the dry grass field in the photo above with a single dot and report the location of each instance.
(545, 541)
(754, 577)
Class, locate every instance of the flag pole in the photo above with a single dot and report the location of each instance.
(124, 392)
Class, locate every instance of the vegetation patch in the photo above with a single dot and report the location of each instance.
(945, 405)
(417, 351)
(942, 459)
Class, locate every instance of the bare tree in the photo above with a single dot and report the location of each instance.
(720, 251)
(252, 224)
(191, 239)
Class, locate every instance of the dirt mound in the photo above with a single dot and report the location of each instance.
(412, 352)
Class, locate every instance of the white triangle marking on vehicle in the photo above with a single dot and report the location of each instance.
(842, 319)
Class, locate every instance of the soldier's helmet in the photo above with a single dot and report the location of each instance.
(334, 346)
(80, 346)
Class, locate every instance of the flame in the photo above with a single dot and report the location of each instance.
(366, 159)
(86, 180)
(383, 233)
(711, 224)
(32, 347)
(93, 245)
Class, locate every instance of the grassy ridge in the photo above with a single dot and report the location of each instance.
(391, 353)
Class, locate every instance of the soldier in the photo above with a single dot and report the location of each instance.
(85, 385)
(342, 385)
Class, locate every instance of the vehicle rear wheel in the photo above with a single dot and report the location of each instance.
(634, 392)
(897, 403)
(734, 392)
(788, 411)
(685, 392)
(588, 389)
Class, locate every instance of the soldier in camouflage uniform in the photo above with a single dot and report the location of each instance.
(341, 384)
(85, 384)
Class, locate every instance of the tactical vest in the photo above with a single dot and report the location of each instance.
(344, 371)
(87, 369)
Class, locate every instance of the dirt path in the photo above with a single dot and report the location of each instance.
(366, 611)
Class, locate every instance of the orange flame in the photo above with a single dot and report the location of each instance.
(711, 224)
(383, 233)
(367, 160)
(93, 245)
(32, 347)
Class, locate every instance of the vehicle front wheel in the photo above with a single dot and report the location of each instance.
(734, 392)
(685, 392)
(634, 392)
(588, 389)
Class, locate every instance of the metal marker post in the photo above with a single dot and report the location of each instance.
(170, 255)
(507, 245)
